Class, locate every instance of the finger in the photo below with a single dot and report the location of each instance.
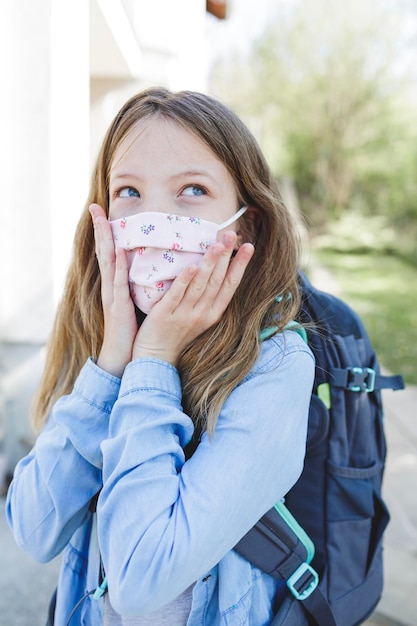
(176, 293)
(211, 272)
(221, 265)
(216, 257)
(233, 277)
(196, 285)
(98, 216)
(121, 278)
(103, 236)
(105, 251)
(96, 210)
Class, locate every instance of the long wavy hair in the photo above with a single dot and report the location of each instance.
(220, 358)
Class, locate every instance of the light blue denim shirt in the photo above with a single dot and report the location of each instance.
(162, 524)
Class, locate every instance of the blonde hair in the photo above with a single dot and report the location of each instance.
(221, 357)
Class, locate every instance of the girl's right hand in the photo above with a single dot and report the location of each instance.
(120, 325)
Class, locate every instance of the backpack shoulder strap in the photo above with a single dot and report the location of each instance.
(364, 379)
(279, 546)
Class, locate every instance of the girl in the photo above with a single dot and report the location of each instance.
(168, 426)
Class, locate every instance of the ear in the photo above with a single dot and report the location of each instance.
(248, 226)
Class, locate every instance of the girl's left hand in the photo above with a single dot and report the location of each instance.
(195, 301)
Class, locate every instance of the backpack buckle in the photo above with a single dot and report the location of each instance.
(361, 379)
(303, 581)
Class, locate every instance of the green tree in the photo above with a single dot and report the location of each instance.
(325, 92)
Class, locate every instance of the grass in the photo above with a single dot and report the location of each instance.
(383, 290)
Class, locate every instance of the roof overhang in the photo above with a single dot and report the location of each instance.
(218, 8)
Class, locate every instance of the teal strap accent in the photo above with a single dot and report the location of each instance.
(101, 590)
(293, 325)
(266, 333)
(298, 530)
(312, 580)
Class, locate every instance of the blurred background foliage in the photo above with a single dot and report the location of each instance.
(330, 91)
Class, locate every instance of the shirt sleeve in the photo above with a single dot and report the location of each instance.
(53, 485)
(163, 523)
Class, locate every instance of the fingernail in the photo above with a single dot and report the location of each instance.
(228, 240)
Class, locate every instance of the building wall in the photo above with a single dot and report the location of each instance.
(65, 69)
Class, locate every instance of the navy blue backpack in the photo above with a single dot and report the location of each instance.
(326, 540)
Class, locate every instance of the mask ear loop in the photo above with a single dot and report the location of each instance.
(233, 218)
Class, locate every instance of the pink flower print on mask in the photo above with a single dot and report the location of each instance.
(153, 243)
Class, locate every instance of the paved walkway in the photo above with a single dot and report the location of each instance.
(25, 586)
(398, 605)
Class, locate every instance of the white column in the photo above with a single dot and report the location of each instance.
(69, 128)
(25, 245)
(44, 173)
(44, 156)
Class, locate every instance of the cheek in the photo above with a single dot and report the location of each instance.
(112, 214)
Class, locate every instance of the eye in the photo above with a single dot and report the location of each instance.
(127, 192)
(194, 190)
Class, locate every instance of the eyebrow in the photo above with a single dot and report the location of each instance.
(190, 173)
(123, 174)
(184, 174)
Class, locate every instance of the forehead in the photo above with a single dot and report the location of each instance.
(158, 149)
(164, 138)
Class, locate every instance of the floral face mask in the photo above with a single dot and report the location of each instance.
(159, 246)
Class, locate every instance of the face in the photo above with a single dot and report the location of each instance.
(162, 167)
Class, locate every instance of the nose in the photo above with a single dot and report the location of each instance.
(158, 202)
